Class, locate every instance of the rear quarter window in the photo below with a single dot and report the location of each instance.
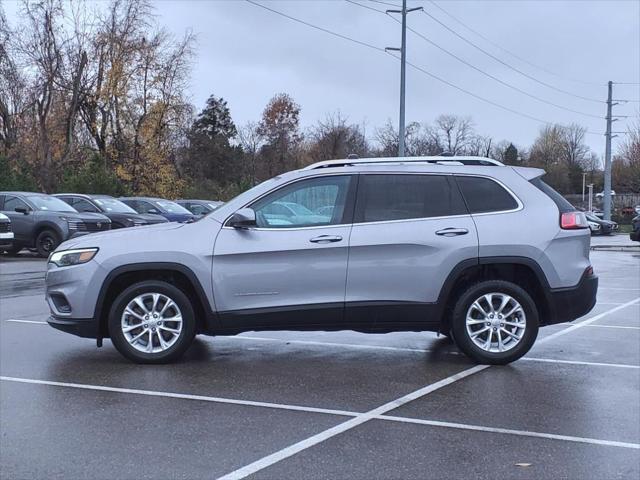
(562, 203)
(484, 195)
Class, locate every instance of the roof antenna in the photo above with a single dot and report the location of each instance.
(352, 156)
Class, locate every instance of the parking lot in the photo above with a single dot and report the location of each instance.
(323, 405)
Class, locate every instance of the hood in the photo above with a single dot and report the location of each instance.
(84, 216)
(132, 236)
(178, 217)
(126, 218)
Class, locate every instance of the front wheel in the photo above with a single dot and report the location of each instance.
(495, 322)
(152, 322)
(46, 242)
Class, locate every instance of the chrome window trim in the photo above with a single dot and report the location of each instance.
(403, 220)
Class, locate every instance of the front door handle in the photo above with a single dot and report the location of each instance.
(326, 239)
(452, 231)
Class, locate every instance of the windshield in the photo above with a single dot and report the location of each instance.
(51, 204)
(171, 207)
(113, 205)
(591, 217)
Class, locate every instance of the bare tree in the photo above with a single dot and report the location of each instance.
(334, 137)
(452, 133)
(251, 142)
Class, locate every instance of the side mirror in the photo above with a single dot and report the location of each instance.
(243, 218)
(23, 210)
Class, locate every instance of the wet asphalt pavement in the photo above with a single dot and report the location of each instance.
(322, 405)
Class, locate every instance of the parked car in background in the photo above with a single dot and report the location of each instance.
(199, 207)
(6, 235)
(159, 206)
(421, 244)
(600, 226)
(43, 222)
(601, 194)
(120, 214)
(635, 226)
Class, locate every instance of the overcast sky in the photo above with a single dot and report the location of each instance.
(247, 54)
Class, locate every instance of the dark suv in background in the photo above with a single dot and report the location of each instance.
(120, 214)
(42, 221)
(159, 206)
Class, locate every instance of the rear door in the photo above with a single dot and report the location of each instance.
(409, 232)
(291, 269)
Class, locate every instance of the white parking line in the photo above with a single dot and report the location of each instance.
(587, 322)
(291, 450)
(508, 431)
(613, 326)
(25, 321)
(182, 396)
(344, 413)
(348, 425)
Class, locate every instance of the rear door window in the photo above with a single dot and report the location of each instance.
(389, 197)
(484, 195)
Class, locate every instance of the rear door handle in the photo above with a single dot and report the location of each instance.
(326, 239)
(452, 231)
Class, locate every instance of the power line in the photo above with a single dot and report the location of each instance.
(514, 55)
(446, 82)
(497, 59)
(335, 34)
(491, 102)
(502, 82)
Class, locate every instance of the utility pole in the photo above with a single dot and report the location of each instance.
(403, 64)
(607, 156)
(606, 207)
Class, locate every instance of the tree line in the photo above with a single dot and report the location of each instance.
(95, 100)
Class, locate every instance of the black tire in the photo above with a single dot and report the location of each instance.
(185, 338)
(462, 337)
(46, 242)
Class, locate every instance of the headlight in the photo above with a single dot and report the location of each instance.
(64, 258)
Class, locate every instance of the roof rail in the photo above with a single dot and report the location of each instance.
(471, 161)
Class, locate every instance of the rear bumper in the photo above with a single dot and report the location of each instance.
(567, 304)
(82, 327)
(635, 236)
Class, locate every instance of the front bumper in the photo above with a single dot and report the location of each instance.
(567, 304)
(82, 327)
(6, 239)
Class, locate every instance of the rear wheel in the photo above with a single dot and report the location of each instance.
(46, 242)
(152, 322)
(495, 322)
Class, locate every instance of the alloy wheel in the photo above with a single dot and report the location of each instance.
(151, 322)
(496, 322)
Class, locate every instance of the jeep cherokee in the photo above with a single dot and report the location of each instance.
(465, 246)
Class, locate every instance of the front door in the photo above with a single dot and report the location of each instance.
(289, 270)
(409, 232)
(22, 224)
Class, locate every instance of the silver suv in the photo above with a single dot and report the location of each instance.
(464, 246)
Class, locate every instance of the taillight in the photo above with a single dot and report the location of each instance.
(573, 221)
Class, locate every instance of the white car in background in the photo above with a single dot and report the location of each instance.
(6, 234)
